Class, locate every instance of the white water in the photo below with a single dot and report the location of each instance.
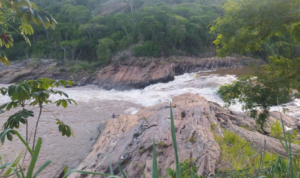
(202, 83)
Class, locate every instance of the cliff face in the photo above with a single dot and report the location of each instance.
(128, 140)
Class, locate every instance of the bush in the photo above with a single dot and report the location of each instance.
(149, 48)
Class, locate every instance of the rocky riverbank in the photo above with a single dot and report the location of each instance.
(128, 139)
(129, 74)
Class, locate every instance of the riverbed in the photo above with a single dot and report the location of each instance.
(96, 105)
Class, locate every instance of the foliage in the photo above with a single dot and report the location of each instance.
(240, 155)
(274, 84)
(187, 168)
(20, 13)
(162, 29)
(149, 48)
(15, 167)
(34, 93)
(104, 51)
(246, 25)
(276, 131)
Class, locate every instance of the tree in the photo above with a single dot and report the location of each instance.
(34, 93)
(23, 12)
(105, 48)
(246, 26)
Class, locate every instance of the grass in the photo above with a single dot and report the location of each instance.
(238, 154)
(277, 130)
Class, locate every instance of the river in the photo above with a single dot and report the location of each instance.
(96, 105)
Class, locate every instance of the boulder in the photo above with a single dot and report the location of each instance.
(128, 139)
(13, 75)
(128, 77)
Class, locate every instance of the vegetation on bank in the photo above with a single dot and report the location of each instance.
(274, 83)
(139, 28)
(256, 23)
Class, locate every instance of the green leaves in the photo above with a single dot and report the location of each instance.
(34, 93)
(64, 129)
(33, 161)
(64, 102)
(14, 120)
(6, 40)
(246, 25)
(3, 58)
(19, 92)
(25, 11)
(11, 131)
(26, 29)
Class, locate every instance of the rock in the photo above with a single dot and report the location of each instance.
(128, 77)
(130, 139)
(13, 75)
(47, 61)
(136, 73)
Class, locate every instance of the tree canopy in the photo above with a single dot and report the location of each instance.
(246, 25)
(251, 26)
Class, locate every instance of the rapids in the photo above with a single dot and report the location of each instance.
(203, 83)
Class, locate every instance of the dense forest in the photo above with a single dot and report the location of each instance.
(102, 31)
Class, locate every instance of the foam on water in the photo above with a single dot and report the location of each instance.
(202, 83)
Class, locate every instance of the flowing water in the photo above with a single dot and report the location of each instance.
(96, 106)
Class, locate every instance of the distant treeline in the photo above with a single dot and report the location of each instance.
(138, 28)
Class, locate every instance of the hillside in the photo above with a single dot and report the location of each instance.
(100, 32)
